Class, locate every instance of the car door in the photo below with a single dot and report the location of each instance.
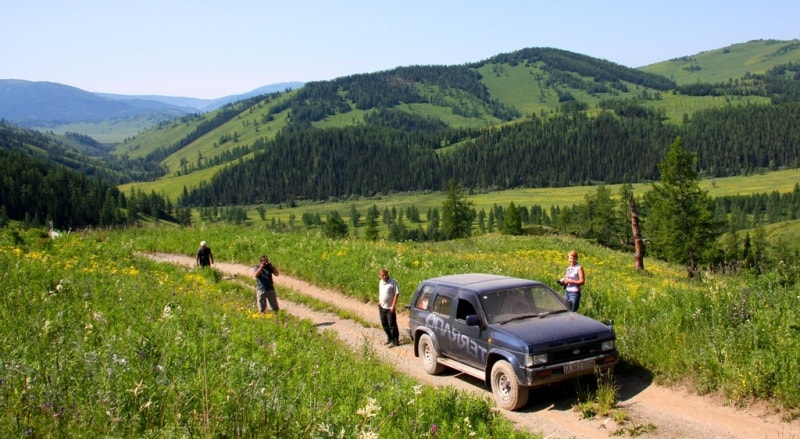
(467, 343)
(439, 320)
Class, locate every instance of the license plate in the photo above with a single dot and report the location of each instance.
(578, 366)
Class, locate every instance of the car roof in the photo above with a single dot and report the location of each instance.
(482, 282)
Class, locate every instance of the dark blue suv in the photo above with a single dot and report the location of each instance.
(512, 333)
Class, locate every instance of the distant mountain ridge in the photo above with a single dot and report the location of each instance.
(507, 121)
(198, 104)
(48, 104)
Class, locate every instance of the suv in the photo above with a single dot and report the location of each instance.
(514, 334)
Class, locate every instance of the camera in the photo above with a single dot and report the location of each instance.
(561, 282)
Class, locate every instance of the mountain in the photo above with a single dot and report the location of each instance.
(197, 104)
(108, 118)
(44, 104)
(533, 117)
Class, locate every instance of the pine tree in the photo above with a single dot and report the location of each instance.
(681, 217)
(512, 221)
(456, 213)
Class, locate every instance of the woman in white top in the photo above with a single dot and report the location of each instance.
(573, 280)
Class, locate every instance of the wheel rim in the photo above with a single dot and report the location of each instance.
(427, 354)
(504, 385)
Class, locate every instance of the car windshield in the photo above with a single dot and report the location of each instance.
(518, 303)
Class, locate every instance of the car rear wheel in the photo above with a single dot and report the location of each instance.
(508, 393)
(430, 358)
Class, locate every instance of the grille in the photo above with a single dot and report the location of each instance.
(575, 352)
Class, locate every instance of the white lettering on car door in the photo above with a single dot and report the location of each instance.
(457, 340)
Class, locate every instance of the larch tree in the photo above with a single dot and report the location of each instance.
(457, 214)
(680, 220)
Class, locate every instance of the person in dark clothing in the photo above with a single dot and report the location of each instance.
(204, 256)
(263, 273)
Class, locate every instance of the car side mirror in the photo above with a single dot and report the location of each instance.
(473, 320)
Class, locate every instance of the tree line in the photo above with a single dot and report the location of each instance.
(564, 150)
(681, 223)
(36, 192)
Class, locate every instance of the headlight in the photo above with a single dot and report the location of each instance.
(608, 345)
(535, 360)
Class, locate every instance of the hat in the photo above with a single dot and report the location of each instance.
(202, 243)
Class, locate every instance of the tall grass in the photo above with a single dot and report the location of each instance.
(95, 342)
(732, 334)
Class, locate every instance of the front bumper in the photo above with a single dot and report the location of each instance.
(553, 373)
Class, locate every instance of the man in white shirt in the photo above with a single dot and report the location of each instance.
(387, 303)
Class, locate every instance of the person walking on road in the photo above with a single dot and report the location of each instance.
(387, 303)
(204, 256)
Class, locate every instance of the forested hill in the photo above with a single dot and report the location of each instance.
(534, 117)
(75, 152)
(560, 151)
(563, 65)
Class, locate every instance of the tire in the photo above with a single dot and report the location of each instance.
(429, 356)
(508, 393)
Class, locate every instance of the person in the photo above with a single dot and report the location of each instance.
(573, 281)
(387, 303)
(204, 255)
(263, 273)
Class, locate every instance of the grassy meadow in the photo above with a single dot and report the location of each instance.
(782, 181)
(737, 335)
(97, 342)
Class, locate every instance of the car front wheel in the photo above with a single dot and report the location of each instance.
(430, 358)
(508, 393)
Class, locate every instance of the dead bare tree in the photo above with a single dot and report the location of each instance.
(638, 242)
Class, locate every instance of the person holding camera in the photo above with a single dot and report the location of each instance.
(572, 281)
(263, 273)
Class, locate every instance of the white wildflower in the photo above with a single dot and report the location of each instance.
(370, 410)
(166, 313)
(368, 435)
(324, 428)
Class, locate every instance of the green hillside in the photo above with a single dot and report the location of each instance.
(504, 90)
(728, 63)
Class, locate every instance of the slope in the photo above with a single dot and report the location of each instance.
(728, 63)
(504, 89)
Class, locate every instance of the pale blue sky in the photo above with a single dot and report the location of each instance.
(214, 48)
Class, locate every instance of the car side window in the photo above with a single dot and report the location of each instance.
(464, 307)
(424, 297)
(443, 304)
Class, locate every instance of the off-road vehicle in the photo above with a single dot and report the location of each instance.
(514, 334)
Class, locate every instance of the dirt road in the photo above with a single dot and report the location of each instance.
(674, 413)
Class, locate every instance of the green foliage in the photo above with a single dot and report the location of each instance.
(113, 345)
(457, 213)
(35, 190)
(334, 226)
(679, 217)
(512, 221)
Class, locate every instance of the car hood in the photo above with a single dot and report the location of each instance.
(553, 330)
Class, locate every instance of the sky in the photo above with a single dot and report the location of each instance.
(214, 48)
